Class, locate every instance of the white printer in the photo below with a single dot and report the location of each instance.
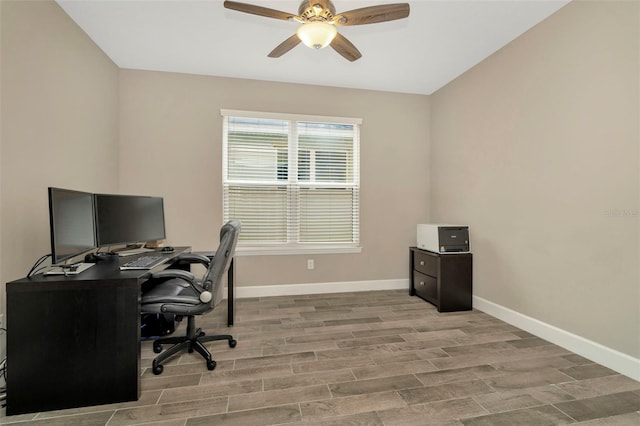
(443, 238)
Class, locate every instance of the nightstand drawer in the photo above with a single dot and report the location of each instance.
(425, 263)
(444, 280)
(425, 286)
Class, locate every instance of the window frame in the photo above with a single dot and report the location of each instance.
(296, 247)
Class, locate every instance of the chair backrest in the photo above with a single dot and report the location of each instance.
(213, 277)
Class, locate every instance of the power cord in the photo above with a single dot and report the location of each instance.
(33, 269)
(65, 268)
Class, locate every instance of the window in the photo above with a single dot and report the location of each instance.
(293, 181)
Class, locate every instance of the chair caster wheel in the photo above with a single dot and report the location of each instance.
(232, 343)
(211, 365)
(157, 368)
(157, 348)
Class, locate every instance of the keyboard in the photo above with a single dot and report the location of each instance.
(144, 262)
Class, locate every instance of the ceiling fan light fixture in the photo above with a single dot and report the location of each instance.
(318, 21)
(316, 34)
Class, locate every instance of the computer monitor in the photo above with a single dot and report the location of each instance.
(124, 219)
(71, 221)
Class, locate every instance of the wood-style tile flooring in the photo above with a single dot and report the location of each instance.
(373, 358)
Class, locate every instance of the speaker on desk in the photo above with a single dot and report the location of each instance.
(154, 244)
(99, 257)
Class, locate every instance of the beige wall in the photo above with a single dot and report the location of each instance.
(2, 297)
(170, 125)
(537, 149)
(59, 124)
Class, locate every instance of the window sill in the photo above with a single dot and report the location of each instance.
(277, 251)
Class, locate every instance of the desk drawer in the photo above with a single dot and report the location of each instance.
(425, 286)
(425, 263)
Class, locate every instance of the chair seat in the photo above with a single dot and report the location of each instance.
(172, 297)
(171, 290)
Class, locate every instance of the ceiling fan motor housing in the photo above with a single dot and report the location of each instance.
(317, 10)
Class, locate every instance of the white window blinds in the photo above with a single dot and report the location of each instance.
(292, 180)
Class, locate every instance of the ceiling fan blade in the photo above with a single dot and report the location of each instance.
(373, 14)
(285, 46)
(344, 47)
(258, 10)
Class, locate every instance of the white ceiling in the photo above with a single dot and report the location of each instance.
(437, 42)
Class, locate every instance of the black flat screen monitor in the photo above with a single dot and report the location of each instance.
(123, 219)
(71, 221)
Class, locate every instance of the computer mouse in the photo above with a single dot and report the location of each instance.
(167, 249)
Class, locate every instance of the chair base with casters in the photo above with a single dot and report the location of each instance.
(193, 340)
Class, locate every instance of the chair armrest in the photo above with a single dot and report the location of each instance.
(204, 295)
(207, 254)
(190, 258)
(174, 273)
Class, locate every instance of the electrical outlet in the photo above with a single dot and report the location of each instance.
(310, 264)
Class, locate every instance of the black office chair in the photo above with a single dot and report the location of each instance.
(178, 292)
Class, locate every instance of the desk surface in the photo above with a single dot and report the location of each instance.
(109, 269)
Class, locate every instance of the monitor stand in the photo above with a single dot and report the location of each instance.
(66, 270)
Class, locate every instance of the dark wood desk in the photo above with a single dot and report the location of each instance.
(75, 341)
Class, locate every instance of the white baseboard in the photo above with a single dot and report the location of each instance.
(320, 288)
(615, 360)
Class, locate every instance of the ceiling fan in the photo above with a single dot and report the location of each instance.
(319, 21)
